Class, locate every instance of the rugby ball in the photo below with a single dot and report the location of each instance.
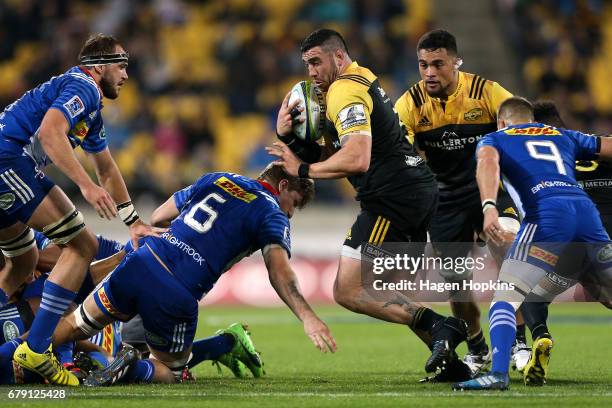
(313, 101)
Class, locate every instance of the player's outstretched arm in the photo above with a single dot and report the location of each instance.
(111, 179)
(52, 136)
(487, 176)
(285, 283)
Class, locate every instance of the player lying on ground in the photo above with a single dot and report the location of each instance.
(538, 161)
(215, 222)
(596, 180)
(232, 347)
(396, 190)
(41, 127)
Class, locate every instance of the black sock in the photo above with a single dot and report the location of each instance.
(535, 315)
(520, 333)
(540, 330)
(477, 343)
(425, 318)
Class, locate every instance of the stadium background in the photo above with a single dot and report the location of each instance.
(206, 78)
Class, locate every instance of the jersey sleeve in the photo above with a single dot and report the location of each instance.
(107, 247)
(183, 197)
(78, 98)
(494, 96)
(349, 107)
(587, 147)
(404, 108)
(274, 229)
(488, 140)
(95, 141)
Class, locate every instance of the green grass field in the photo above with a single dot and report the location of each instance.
(377, 364)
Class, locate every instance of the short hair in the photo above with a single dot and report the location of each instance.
(98, 44)
(435, 39)
(305, 186)
(516, 107)
(325, 38)
(546, 112)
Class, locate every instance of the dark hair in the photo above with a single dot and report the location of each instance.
(546, 112)
(516, 106)
(326, 38)
(435, 39)
(98, 44)
(305, 186)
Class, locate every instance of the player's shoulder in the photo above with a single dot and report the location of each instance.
(415, 95)
(77, 77)
(354, 78)
(479, 87)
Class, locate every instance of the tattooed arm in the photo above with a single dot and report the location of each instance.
(285, 283)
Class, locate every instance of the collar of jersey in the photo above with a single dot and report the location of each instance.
(269, 187)
(352, 66)
(460, 85)
(86, 72)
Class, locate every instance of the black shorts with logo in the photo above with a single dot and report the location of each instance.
(401, 219)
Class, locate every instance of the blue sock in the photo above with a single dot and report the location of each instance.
(64, 352)
(8, 349)
(3, 298)
(211, 348)
(99, 357)
(503, 331)
(140, 371)
(55, 300)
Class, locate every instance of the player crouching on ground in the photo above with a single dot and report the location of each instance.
(215, 222)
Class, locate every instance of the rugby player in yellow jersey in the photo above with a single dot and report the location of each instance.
(446, 114)
(396, 190)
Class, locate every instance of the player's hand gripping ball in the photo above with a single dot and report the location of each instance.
(312, 100)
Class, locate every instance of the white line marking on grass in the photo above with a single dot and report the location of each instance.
(159, 393)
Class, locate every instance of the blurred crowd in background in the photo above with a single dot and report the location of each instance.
(206, 77)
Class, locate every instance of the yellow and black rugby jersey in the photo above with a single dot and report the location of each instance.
(449, 130)
(357, 103)
(595, 178)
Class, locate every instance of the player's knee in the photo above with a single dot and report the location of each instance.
(86, 244)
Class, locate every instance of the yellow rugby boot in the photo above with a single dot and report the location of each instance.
(536, 370)
(44, 364)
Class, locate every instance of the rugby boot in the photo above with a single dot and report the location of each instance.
(520, 355)
(243, 354)
(455, 370)
(478, 362)
(536, 370)
(115, 370)
(44, 364)
(446, 334)
(485, 382)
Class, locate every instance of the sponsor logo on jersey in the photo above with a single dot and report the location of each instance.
(10, 330)
(413, 161)
(108, 334)
(605, 254)
(383, 94)
(186, 248)
(548, 184)
(473, 114)
(352, 116)
(106, 303)
(74, 106)
(451, 141)
(80, 130)
(600, 183)
(424, 122)
(234, 190)
(543, 255)
(533, 131)
(7, 200)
